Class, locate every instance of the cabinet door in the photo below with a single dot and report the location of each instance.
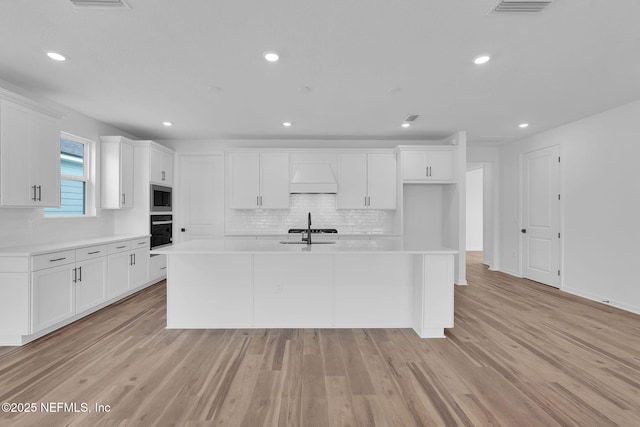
(167, 168)
(126, 175)
(156, 164)
(382, 181)
(442, 165)
(53, 296)
(15, 155)
(139, 269)
(90, 283)
(244, 179)
(274, 180)
(352, 181)
(414, 165)
(45, 163)
(118, 277)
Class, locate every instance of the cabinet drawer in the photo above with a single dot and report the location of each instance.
(91, 252)
(140, 243)
(53, 259)
(114, 248)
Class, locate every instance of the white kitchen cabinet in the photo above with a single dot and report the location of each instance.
(29, 157)
(428, 164)
(90, 277)
(128, 264)
(117, 172)
(157, 267)
(53, 296)
(367, 181)
(54, 285)
(160, 166)
(258, 180)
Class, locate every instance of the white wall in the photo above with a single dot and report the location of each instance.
(24, 226)
(488, 158)
(475, 222)
(600, 204)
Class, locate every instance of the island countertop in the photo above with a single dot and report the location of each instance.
(252, 246)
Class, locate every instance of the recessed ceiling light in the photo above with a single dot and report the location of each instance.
(406, 125)
(481, 60)
(56, 56)
(271, 56)
(523, 125)
(286, 124)
(167, 124)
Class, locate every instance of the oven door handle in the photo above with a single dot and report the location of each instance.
(161, 222)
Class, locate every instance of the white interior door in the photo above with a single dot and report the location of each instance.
(541, 216)
(201, 195)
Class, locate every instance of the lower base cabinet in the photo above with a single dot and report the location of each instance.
(42, 292)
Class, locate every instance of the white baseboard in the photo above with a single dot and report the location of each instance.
(602, 300)
(510, 273)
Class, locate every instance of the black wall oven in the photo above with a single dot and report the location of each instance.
(160, 198)
(161, 230)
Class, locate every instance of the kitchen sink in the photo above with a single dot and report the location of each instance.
(298, 242)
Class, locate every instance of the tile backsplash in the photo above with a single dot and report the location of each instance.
(323, 215)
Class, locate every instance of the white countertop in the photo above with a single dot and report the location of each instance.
(28, 250)
(251, 246)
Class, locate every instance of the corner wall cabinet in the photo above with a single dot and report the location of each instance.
(29, 156)
(367, 181)
(258, 180)
(434, 164)
(52, 286)
(117, 172)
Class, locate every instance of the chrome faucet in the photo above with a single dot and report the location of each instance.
(308, 238)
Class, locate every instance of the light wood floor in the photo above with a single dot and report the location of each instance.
(521, 354)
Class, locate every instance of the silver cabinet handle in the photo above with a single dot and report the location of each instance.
(80, 275)
(260, 200)
(39, 193)
(75, 275)
(57, 259)
(134, 259)
(93, 253)
(142, 243)
(34, 198)
(121, 247)
(163, 175)
(130, 259)
(257, 200)
(163, 268)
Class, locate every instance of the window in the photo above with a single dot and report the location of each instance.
(74, 177)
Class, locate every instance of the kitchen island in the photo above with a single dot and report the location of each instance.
(386, 283)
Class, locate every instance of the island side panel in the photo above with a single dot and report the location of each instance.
(436, 295)
(373, 291)
(209, 291)
(293, 291)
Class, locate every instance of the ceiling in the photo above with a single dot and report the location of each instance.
(348, 69)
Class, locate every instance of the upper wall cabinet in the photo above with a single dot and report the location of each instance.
(429, 164)
(161, 166)
(367, 181)
(29, 156)
(117, 172)
(258, 180)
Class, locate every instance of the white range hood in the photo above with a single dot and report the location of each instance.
(312, 178)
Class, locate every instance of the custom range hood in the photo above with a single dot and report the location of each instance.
(312, 178)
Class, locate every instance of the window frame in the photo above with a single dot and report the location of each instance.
(88, 177)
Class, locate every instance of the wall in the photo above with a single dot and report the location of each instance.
(600, 204)
(24, 226)
(475, 220)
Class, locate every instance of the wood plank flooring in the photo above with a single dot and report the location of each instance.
(520, 354)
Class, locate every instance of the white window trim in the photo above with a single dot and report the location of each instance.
(89, 177)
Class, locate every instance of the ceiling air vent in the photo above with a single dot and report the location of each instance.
(412, 118)
(100, 4)
(519, 6)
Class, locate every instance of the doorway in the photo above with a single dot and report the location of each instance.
(540, 232)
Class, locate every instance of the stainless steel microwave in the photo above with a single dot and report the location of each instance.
(160, 199)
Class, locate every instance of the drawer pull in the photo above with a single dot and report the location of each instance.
(93, 253)
(163, 268)
(57, 259)
(121, 247)
(142, 243)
